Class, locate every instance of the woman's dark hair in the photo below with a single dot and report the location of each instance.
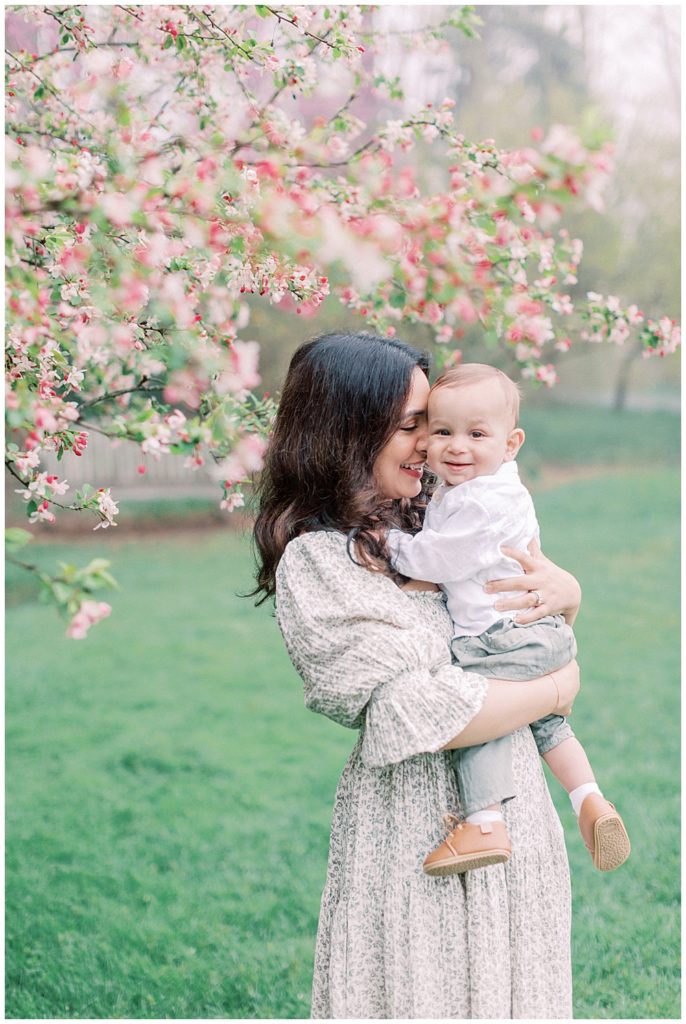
(343, 399)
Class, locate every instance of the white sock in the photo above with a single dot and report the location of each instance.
(481, 817)
(578, 795)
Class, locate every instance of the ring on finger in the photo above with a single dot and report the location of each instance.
(538, 599)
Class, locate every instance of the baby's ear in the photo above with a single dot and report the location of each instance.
(514, 443)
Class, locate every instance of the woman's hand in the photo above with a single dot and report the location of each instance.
(544, 589)
(568, 684)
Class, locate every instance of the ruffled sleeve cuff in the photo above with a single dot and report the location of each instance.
(409, 716)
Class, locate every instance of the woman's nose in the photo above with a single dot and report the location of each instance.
(422, 442)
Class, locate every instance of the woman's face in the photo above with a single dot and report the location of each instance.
(398, 468)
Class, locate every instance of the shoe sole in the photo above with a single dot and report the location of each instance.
(611, 843)
(470, 862)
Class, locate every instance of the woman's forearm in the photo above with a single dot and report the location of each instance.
(508, 706)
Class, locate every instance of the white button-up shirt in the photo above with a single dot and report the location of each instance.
(459, 544)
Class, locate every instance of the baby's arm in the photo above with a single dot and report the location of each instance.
(454, 553)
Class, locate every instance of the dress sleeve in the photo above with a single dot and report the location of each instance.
(367, 656)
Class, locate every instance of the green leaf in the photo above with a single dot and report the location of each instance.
(168, 42)
(31, 507)
(16, 538)
(262, 11)
(62, 592)
(398, 299)
(97, 565)
(70, 572)
(180, 42)
(107, 580)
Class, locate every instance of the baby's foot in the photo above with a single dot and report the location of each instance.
(468, 847)
(603, 832)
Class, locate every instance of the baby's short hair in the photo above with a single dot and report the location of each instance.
(478, 373)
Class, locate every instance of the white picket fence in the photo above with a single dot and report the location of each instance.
(115, 464)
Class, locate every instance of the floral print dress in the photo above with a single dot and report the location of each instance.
(393, 942)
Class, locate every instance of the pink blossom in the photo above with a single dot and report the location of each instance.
(117, 207)
(232, 501)
(185, 386)
(246, 458)
(26, 461)
(242, 375)
(564, 143)
(44, 419)
(107, 509)
(56, 485)
(547, 375)
(175, 419)
(42, 514)
(336, 147)
(88, 614)
(619, 331)
(562, 304)
(133, 294)
(122, 69)
(206, 169)
(433, 313)
(466, 310)
(146, 229)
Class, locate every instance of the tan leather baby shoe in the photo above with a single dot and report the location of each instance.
(603, 832)
(469, 847)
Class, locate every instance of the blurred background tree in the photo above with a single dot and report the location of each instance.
(609, 72)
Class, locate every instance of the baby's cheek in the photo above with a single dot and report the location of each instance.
(433, 455)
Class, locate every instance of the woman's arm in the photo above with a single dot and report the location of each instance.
(368, 658)
(559, 591)
(509, 705)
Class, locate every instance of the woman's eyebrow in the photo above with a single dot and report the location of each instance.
(414, 414)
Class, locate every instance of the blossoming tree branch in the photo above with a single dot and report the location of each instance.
(165, 162)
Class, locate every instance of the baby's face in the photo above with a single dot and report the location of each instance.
(471, 432)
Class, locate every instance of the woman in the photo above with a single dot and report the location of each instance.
(345, 462)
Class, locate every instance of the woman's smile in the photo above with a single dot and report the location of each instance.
(415, 470)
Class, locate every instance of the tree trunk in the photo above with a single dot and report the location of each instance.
(622, 381)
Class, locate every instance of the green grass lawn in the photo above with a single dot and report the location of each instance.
(169, 798)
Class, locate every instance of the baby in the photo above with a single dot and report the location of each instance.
(479, 506)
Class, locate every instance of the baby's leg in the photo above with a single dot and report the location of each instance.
(566, 758)
(484, 778)
(571, 767)
(601, 826)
